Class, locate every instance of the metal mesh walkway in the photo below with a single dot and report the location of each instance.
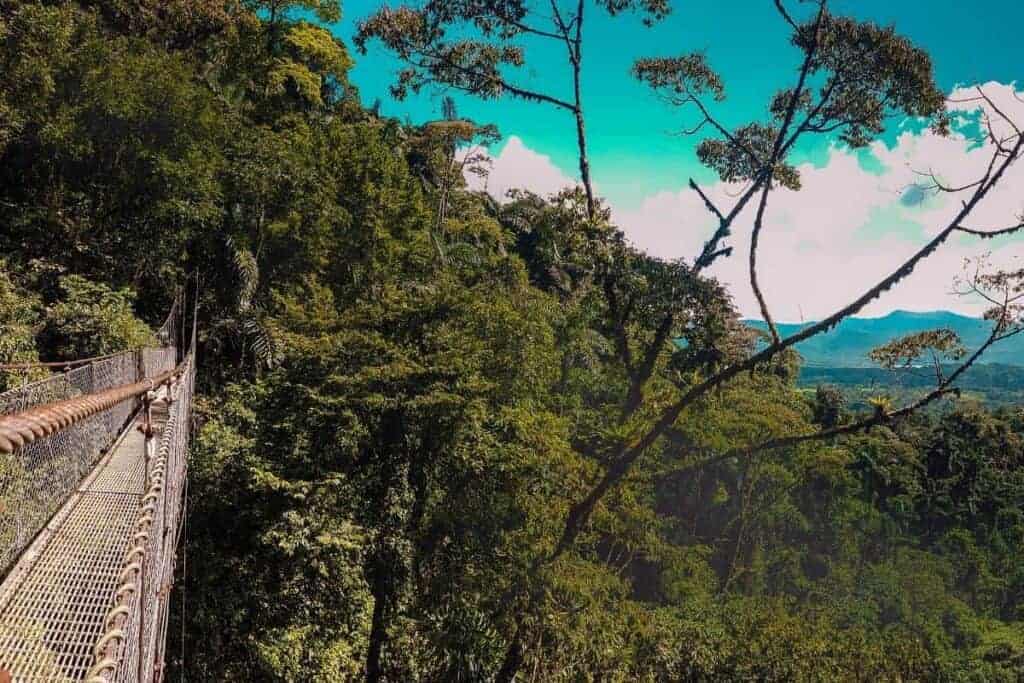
(54, 602)
(90, 513)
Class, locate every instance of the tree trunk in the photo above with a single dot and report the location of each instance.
(378, 628)
(513, 658)
(388, 570)
(581, 139)
(576, 57)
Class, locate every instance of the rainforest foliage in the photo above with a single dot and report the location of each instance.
(406, 388)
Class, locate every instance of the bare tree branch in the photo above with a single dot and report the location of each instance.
(939, 186)
(777, 148)
(646, 369)
(736, 142)
(785, 15)
(707, 201)
(754, 235)
(501, 82)
(564, 33)
(711, 251)
(998, 111)
(989, 234)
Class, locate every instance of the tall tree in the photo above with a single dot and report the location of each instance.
(477, 47)
(443, 153)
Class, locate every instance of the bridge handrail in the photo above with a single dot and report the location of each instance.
(27, 426)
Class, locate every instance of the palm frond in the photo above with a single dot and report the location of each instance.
(247, 273)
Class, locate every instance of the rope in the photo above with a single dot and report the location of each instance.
(136, 624)
(184, 577)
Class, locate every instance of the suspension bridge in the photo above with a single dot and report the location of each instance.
(92, 483)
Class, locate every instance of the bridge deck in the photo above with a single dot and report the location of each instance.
(53, 601)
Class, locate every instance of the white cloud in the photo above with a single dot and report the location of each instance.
(519, 167)
(847, 227)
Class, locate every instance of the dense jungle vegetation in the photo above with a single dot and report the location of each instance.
(436, 437)
(991, 384)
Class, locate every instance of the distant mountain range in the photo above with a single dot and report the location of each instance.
(848, 344)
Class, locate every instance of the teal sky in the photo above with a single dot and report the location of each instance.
(634, 153)
(851, 224)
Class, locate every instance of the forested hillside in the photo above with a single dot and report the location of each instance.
(850, 343)
(441, 437)
(993, 385)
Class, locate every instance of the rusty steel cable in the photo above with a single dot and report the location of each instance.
(56, 429)
(48, 461)
(41, 421)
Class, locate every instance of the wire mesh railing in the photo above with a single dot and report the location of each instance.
(37, 478)
(169, 333)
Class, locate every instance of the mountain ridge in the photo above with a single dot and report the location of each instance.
(848, 344)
